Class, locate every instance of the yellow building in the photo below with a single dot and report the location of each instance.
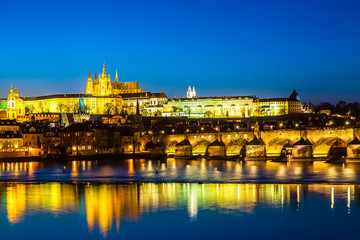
(270, 107)
(15, 107)
(216, 107)
(71, 103)
(230, 107)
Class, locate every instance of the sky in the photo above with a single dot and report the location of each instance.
(238, 48)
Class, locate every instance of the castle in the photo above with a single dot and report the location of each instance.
(103, 96)
(103, 86)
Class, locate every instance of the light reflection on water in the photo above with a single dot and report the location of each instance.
(171, 170)
(104, 207)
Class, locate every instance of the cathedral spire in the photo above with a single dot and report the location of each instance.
(89, 77)
(11, 89)
(96, 80)
(104, 70)
(116, 77)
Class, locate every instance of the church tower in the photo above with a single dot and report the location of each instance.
(193, 92)
(15, 108)
(189, 93)
(89, 85)
(104, 83)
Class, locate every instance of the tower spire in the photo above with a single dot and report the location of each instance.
(89, 74)
(11, 89)
(116, 77)
(96, 80)
(189, 92)
(104, 70)
(16, 91)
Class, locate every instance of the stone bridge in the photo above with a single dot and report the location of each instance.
(314, 143)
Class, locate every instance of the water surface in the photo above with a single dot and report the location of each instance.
(178, 211)
(181, 171)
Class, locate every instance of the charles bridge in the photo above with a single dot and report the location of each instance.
(310, 144)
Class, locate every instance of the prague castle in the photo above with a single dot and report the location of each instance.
(102, 86)
(104, 97)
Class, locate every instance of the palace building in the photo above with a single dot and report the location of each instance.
(103, 96)
(231, 106)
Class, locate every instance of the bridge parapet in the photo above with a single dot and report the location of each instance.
(321, 140)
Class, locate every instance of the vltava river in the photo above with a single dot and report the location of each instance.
(181, 171)
(178, 211)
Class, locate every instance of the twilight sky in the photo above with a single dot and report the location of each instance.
(250, 47)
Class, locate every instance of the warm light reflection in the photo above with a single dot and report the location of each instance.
(106, 205)
(16, 202)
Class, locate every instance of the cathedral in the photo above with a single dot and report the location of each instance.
(102, 85)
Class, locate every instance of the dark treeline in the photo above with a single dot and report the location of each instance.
(342, 108)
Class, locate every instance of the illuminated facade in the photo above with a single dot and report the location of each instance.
(70, 103)
(232, 106)
(15, 107)
(106, 97)
(103, 86)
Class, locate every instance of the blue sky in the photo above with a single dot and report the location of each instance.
(262, 48)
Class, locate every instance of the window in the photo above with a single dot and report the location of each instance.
(89, 147)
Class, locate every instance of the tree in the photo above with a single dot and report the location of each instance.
(157, 113)
(187, 110)
(109, 108)
(41, 106)
(61, 107)
(208, 113)
(29, 109)
(173, 110)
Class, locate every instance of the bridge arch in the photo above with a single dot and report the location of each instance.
(275, 146)
(200, 147)
(323, 146)
(235, 146)
(170, 148)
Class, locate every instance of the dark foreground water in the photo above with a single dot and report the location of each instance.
(178, 211)
(181, 171)
(130, 200)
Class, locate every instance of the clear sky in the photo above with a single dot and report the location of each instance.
(263, 48)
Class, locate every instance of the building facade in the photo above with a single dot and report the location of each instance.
(105, 97)
(231, 107)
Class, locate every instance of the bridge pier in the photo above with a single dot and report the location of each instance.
(158, 149)
(183, 149)
(255, 150)
(216, 150)
(302, 150)
(353, 151)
